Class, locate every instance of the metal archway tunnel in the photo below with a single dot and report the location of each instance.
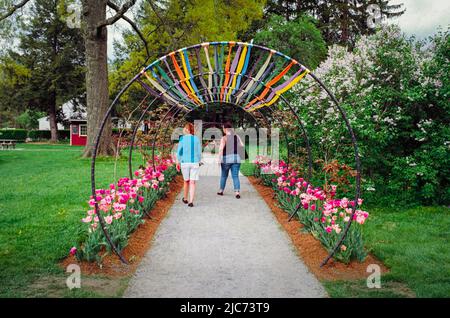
(246, 75)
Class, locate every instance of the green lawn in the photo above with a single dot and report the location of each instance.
(44, 194)
(414, 244)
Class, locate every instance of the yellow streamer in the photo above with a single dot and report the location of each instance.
(237, 72)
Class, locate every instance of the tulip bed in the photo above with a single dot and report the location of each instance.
(321, 213)
(123, 207)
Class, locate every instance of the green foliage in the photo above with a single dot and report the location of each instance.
(299, 38)
(37, 135)
(14, 134)
(340, 21)
(178, 23)
(46, 67)
(395, 94)
(29, 119)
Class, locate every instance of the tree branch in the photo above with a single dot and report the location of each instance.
(119, 14)
(13, 9)
(163, 22)
(133, 25)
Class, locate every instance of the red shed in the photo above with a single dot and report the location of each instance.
(78, 132)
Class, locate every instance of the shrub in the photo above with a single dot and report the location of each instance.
(46, 134)
(395, 93)
(16, 134)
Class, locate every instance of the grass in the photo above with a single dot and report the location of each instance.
(247, 169)
(44, 194)
(413, 243)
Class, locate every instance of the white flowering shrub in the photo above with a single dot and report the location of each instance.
(395, 93)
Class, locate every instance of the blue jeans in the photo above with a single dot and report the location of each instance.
(234, 167)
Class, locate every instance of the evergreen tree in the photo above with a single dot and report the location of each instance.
(341, 21)
(47, 67)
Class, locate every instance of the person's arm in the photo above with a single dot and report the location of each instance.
(221, 147)
(179, 152)
(199, 149)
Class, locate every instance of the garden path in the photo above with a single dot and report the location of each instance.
(222, 247)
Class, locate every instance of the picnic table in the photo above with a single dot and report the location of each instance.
(7, 144)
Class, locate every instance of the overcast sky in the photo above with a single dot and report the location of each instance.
(422, 19)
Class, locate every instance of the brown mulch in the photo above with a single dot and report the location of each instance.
(310, 249)
(138, 243)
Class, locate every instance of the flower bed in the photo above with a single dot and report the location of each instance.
(321, 213)
(123, 207)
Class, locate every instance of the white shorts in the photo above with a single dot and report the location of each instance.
(190, 171)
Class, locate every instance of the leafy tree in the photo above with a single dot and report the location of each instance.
(298, 38)
(47, 67)
(13, 79)
(170, 24)
(94, 25)
(29, 119)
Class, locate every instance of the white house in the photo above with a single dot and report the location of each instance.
(67, 109)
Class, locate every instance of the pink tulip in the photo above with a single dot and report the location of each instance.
(109, 219)
(73, 251)
(87, 219)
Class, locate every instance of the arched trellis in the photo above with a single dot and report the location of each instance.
(224, 85)
(282, 98)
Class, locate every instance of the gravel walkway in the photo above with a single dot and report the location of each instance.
(223, 247)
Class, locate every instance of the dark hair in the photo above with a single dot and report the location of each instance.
(227, 125)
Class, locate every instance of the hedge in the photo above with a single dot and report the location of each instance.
(46, 134)
(15, 134)
(22, 134)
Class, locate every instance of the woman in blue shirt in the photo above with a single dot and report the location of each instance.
(188, 160)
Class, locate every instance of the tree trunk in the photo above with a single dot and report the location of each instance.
(97, 94)
(345, 23)
(52, 117)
